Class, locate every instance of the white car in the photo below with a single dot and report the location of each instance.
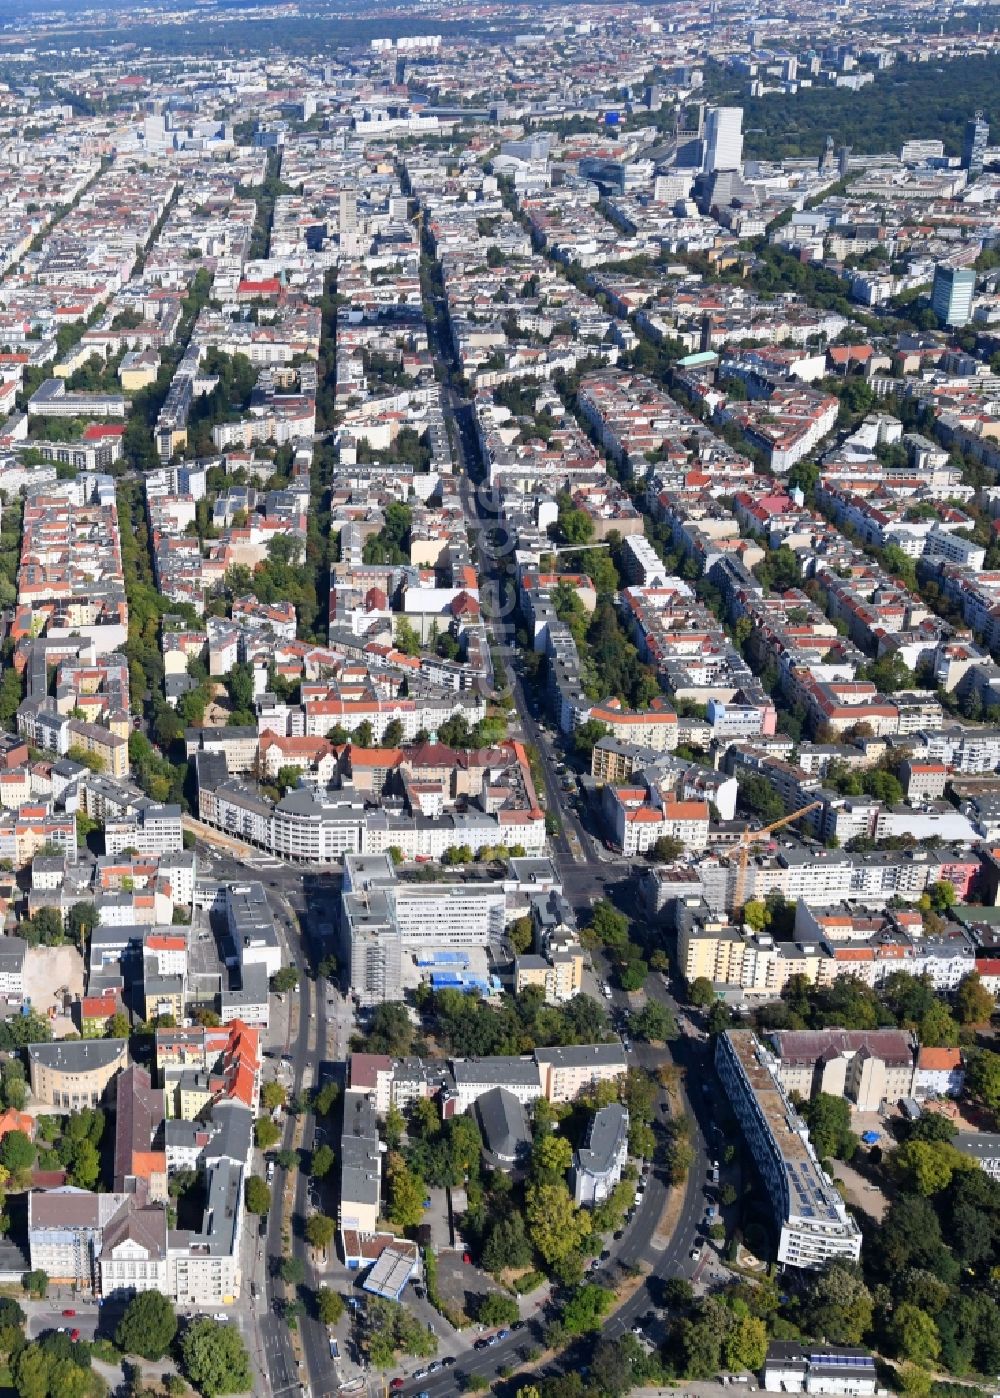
(221, 1317)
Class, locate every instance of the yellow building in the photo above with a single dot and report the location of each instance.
(110, 748)
(715, 954)
(74, 1074)
(559, 975)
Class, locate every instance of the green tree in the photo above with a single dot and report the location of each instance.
(551, 1157)
(266, 1133)
(258, 1196)
(406, 1193)
(320, 1229)
(31, 1371)
(272, 1094)
(293, 1271)
(927, 1167)
(556, 1226)
(973, 1002)
(36, 1283)
(668, 849)
(287, 978)
(118, 1026)
(653, 1022)
(756, 914)
(521, 933)
(587, 736)
(322, 1162)
(983, 1078)
(942, 896)
(585, 1309)
(837, 1305)
(632, 974)
(938, 1028)
(913, 1334)
(745, 1346)
(406, 638)
(506, 1244)
(395, 1125)
(85, 1165)
(329, 1305)
(16, 1152)
(214, 1358)
(496, 1308)
(829, 1122)
(608, 926)
(148, 1326)
(701, 992)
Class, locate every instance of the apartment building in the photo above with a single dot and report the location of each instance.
(867, 1066)
(360, 1166)
(812, 1219)
(598, 1164)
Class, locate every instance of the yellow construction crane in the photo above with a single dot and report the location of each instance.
(753, 837)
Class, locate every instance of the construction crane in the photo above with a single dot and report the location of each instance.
(753, 837)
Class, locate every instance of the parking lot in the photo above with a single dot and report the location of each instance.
(460, 1284)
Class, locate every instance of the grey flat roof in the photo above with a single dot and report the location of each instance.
(584, 1055)
(978, 1145)
(499, 1071)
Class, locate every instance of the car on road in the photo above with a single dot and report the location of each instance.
(69, 1312)
(695, 1254)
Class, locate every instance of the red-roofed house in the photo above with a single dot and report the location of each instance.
(939, 1073)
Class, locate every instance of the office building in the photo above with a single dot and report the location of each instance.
(974, 144)
(791, 1367)
(724, 139)
(951, 294)
(75, 1074)
(811, 1217)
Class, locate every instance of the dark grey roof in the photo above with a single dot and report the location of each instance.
(608, 1128)
(504, 1124)
(584, 1056)
(79, 1055)
(359, 1152)
(978, 1145)
(12, 953)
(498, 1070)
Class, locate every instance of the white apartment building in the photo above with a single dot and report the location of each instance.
(813, 1219)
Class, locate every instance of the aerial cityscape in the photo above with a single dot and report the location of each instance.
(499, 699)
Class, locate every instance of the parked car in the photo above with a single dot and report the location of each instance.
(74, 1335)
